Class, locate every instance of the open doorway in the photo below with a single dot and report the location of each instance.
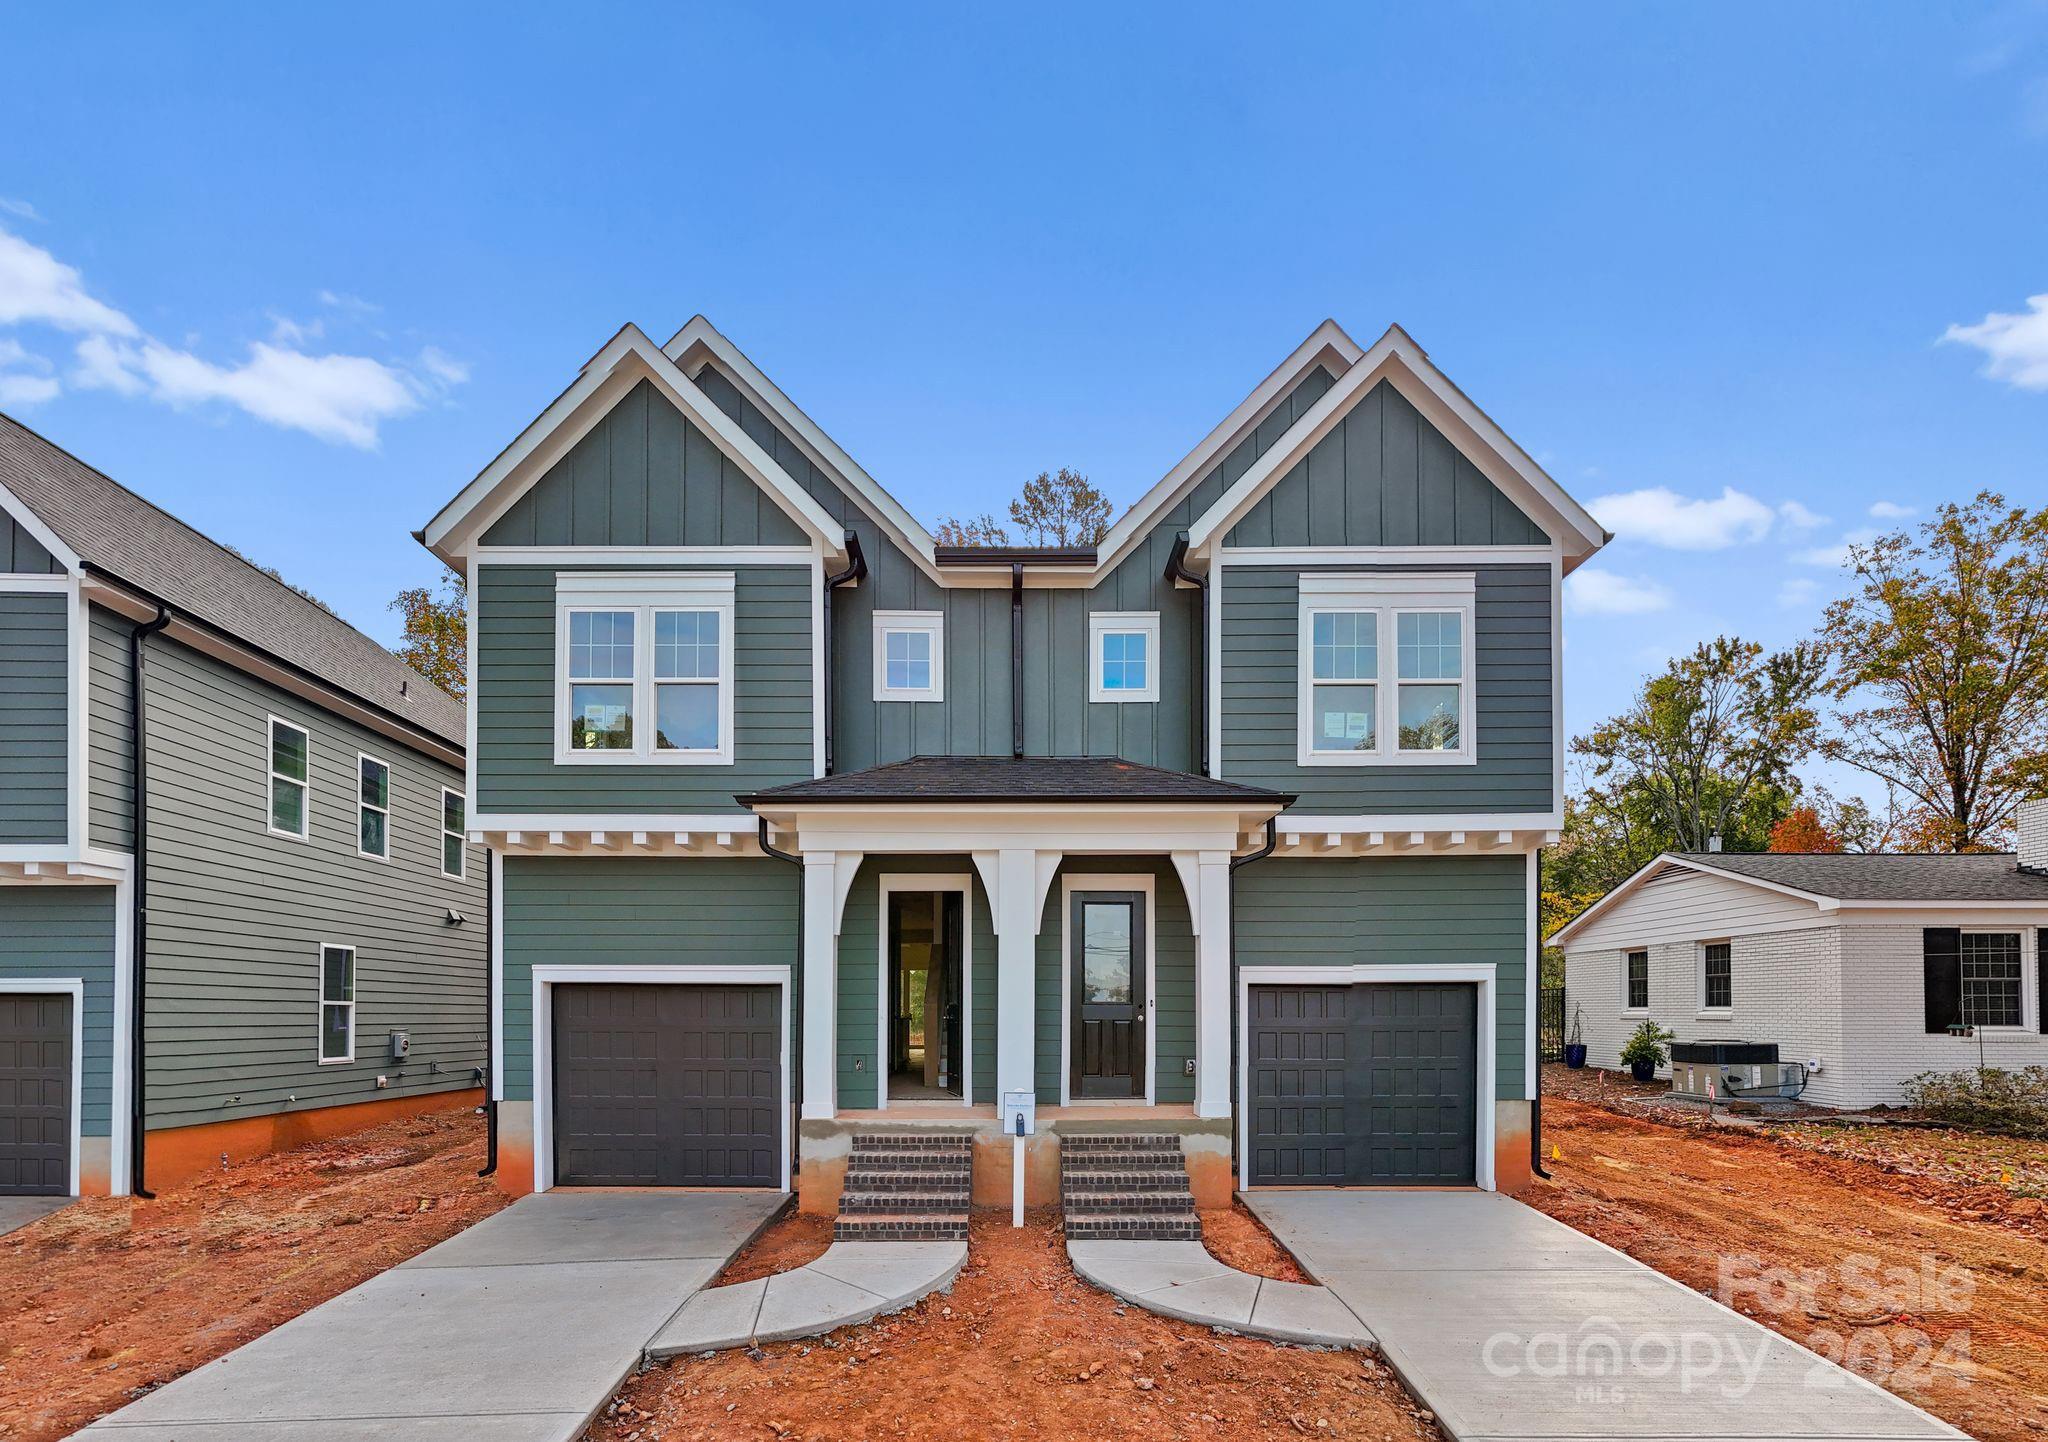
(925, 966)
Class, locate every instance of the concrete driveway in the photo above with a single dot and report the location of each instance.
(18, 1212)
(525, 1324)
(1509, 1324)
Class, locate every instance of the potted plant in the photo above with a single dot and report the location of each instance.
(1644, 1051)
(1575, 1044)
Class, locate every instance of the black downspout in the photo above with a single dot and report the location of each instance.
(1177, 570)
(1536, 1093)
(796, 1016)
(1017, 659)
(490, 1011)
(138, 922)
(1237, 862)
(856, 569)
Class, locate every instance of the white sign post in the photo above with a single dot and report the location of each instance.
(1020, 1120)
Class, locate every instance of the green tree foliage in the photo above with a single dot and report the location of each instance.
(437, 633)
(1938, 663)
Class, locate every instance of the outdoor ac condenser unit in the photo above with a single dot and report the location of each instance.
(1733, 1068)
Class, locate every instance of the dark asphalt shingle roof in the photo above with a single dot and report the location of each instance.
(1006, 778)
(112, 528)
(1989, 876)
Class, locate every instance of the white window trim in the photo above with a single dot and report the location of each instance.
(1649, 956)
(362, 806)
(1699, 974)
(272, 776)
(930, 622)
(645, 593)
(1123, 623)
(461, 835)
(1386, 597)
(2028, 1026)
(937, 883)
(322, 1003)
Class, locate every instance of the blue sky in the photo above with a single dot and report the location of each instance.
(1752, 270)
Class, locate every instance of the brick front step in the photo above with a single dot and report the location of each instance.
(867, 1142)
(1127, 1229)
(884, 1227)
(1082, 1204)
(940, 1203)
(1141, 1157)
(1123, 1179)
(864, 1179)
(1113, 1141)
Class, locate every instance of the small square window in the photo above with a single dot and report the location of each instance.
(1123, 656)
(910, 659)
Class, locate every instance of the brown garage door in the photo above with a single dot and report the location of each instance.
(668, 1086)
(35, 1095)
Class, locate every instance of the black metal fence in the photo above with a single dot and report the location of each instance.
(1550, 1023)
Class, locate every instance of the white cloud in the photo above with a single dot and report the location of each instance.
(336, 397)
(1836, 556)
(19, 208)
(353, 304)
(2015, 346)
(1798, 518)
(1662, 517)
(25, 378)
(1797, 591)
(1603, 593)
(1890, 511)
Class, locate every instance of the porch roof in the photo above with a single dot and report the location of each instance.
(1012, 780)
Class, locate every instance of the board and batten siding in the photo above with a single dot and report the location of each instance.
(860, 940)
(974, 718)
(66, 932)
(639, 911)
(21, 554)
(1259, 611)
(645, 475)
(1172, 1019)
(110, 733)
(1384, 477)
(237, 916)
(34, 717)
(515, 762)
(1367, 911)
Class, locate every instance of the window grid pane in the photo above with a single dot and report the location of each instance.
(1720, 976)
(1429, 718)
(376, 781)
(1429, 645)
(907, 660)
(1343, 718)
(337, 1024)
(288, 751)
(1639, 981)
(453, 804)
(601, 645)
(1991, 978)
(1124, 662)
(288, 805)
(686, 645)
(337, 974)
(1345, 645)
(686, 717)
(601, 717)
(451, 856)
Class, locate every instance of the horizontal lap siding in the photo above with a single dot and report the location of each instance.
(637, 911)
(515, 701)
(1259, 606)
(110, 753)
(34, 717)
(237, 916)
(1398, 911)
(67, 933)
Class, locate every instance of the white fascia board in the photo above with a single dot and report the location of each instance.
(29, 521)
(1396, 358)
(627, 358)
(1473, 821)
(1607, 903)
(700, 338)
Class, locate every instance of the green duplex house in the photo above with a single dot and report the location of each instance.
(805, 826)
(237, 908)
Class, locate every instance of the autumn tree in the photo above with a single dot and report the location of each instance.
(981, 530)
(437, 633)
(1056, 509)
(1938, 664)
(1802, 830)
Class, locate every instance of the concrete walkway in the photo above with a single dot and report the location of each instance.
(519, 1329)
(1511, 1325)
(18, 1212)
(1181, 1279)
(851, 1282)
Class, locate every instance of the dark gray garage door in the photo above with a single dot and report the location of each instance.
(1372, 1084)
(669, 1086)
(35, 1095)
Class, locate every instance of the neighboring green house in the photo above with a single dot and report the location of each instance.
(286, 891)
(803, 824)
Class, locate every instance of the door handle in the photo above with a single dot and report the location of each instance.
(1138, 1015)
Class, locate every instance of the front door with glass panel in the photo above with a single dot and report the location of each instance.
(1107, 1041)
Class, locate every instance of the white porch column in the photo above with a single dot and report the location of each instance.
(1016, 900)
(1212, 986)
(821, 985)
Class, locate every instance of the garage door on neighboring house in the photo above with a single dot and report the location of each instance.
(1362, 1085)
(35, 1094)
(667, 1085)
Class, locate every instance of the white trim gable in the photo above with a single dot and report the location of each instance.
(1659, 864)
(1397, 359)
(29, 521)
(625, 360)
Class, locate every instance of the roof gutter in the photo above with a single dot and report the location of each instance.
(1177, 570)
(138, 924)
(856, 570)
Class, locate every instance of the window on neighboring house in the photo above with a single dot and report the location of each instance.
(1123, 656)
(290, 754)
(1352, 710)
(1638, 981)
(337, 1003)
(910, 660)
(645, 667)
(454, 809)
(373, 820)
(1717, 976)
(1991, 978)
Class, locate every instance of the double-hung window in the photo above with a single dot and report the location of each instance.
(644, 668)
(1385, 670)
(1637, 980)
(1991, 970)
(454, 814)
(291, 751)
(1717, 976)
(1123, 656)
(337, 1003)
(910, 656)
(373, 810)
